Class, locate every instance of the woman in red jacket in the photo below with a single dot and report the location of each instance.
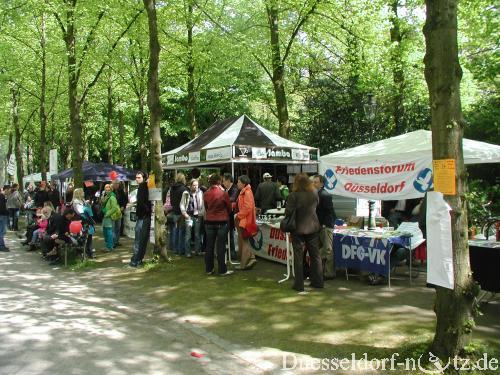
(245, 220)
(217, 210)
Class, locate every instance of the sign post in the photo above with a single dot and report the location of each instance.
(11, 167)
(52, 162)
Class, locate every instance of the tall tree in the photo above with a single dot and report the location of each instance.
(74, 65)
(43, 90)
(277, 73)
(443, 74)
(155, 118)
(109, 114)
(191, 94)
(398, 74)
(17, 133)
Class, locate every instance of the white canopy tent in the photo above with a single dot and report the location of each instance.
(395, 168)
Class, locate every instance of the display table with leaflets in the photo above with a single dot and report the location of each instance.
(370, 250)
(271, 243)
(484, 261)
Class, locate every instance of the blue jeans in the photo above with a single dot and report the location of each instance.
(37, 234)
(13, 218)
(216, 234)
(142, 227)
(108, 237)
(194, 227)
(117, 224)
(177, 235)
(4, 219)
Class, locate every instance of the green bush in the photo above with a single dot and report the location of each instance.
(479, 195)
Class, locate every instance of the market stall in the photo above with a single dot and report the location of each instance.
(241, 146)
(98, 172)
(398, 168)
(395, 168)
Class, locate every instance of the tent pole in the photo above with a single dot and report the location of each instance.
(232, 169)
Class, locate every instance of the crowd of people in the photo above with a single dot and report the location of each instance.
(49, 215)
(202, 220)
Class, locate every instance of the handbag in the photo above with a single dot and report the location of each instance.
(287, 225)
(250, 230)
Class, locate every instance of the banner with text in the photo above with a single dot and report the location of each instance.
(363, 253)
(379, 180)
(269, 243)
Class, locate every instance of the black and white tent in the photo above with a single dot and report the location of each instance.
(238, 140)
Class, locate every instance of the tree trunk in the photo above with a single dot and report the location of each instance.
(191, 95)
(443, 74)
(9, 152)
(74, 105)
(155, 117)
(121, 130)
(43, 112)
(278, 74)
(110, 119)
(17, 135)
(141, 124)
(398, 110)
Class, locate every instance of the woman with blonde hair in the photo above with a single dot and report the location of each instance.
(302, 203)
(79, 200)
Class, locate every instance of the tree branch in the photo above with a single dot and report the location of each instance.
(89, 39)
(28, 121)
(98, 74)
(297, 28)
(61, 24)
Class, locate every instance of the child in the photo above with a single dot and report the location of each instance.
(43, 223)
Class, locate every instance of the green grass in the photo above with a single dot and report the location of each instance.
(83, 265)
(252, 309)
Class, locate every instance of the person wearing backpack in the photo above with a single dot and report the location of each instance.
(112, 212)
(14, 203)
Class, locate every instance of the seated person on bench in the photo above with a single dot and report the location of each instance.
(57, 230)
(43, 223)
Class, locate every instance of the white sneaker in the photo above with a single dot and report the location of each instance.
(227, 273)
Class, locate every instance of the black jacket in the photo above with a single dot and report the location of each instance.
(176, 195)
(143, 204)
(3, 205)
(41, 196)
(121, 197)
(54, 198)
(58, 224)
(325, 211)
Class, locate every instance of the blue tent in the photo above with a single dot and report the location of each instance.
(98, 172)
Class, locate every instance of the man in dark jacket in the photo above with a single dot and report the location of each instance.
(143, 223)
(57, 230)
(233, 192)
(4, 219)
(41, 195)
(178, 233)
(54, 196)
(267, 194)
(326, 217)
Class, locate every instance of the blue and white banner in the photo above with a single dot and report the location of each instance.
(379, 180)
(362, 253)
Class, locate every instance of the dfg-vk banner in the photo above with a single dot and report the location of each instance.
(363, 253)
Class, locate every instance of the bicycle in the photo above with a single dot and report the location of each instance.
(490, 227)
